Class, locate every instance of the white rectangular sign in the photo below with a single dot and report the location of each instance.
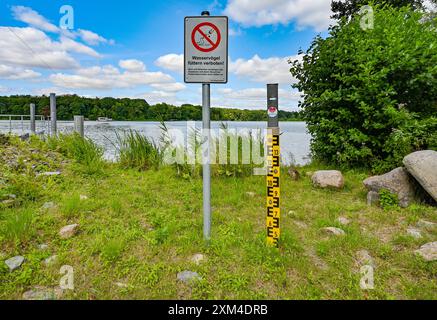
(206, 50)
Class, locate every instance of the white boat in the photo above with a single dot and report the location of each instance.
(103, 119)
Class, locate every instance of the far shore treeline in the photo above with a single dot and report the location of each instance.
(129, 109)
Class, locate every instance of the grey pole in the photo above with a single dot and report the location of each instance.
(272, 97)
(32, 119)
(79, 125)
(53, 118)
(206, 104)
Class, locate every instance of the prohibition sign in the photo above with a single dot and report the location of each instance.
(207, 37)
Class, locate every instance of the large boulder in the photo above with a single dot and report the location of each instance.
(328, 179)
(398, 182)
(422, 165)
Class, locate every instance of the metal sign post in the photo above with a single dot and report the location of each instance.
(206, 62)
(273, 167)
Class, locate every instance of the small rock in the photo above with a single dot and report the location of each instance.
(334, 231)
(188, 276)
(364, 258)
(344, 221)
(309, 174)
(51, 260)
(373, 198)
(294, 174)
(14, 263)
(48, 205)
(251, 194)
(43, 246)
(328, 178)
(291, 213)
(428, 251)
(300, 224)
(82, 197)
(121, 285)
(12, 196)
(197, 258)
(414, 233)
(426, 224)
(50, 174)
(42, 293)
(69, 231)
(8, 202)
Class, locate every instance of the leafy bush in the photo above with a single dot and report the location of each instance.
(370, 96)
(388, 200)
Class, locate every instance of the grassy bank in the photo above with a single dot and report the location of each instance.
(139, 229)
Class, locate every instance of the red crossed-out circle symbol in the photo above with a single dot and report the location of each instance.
(205, 43)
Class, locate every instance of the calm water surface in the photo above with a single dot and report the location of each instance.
(295, 140)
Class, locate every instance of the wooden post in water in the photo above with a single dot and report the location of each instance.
(32, 119)
(79, 125)
(53, 116)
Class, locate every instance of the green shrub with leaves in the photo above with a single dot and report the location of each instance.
(388, 200)
(370, 96)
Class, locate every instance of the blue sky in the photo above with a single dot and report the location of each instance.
(134, 48)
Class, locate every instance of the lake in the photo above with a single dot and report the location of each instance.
(295, 140)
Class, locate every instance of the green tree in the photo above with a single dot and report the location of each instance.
(346, 9)
(370, 97)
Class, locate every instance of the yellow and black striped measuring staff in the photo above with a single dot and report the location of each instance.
(273, 167)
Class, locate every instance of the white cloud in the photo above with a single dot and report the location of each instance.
(132, 65)
(107, 78)
(270, 70)
(68, 44)
(33, 18)
(158, 96)
(173, 62)
(253, 98)
(169, 87)
(3, 89)
(58, 91)
(429, 6)
(235, 32)
(306, 13)
(93, 38)
(12, 73)
(29, 47)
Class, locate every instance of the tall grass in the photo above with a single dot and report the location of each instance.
(83, 150)
(18, 225)
(246, 163)
(227, 168)
(137, 151)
